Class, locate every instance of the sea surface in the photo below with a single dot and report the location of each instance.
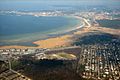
(24, 29)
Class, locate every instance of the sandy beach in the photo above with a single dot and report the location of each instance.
(54, 42)
(61, 41)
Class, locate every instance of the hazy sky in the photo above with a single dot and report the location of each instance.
(69, 0)
(59, 0)
(27, 4)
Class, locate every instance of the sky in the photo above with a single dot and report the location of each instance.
(7, 4)
(59, 0)
(107, 1)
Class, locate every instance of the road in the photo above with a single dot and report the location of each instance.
(88, 24)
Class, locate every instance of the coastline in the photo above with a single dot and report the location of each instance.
(59, 39)
(65, 40)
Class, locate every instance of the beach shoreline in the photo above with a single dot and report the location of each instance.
(58, 38)
(66, 39)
